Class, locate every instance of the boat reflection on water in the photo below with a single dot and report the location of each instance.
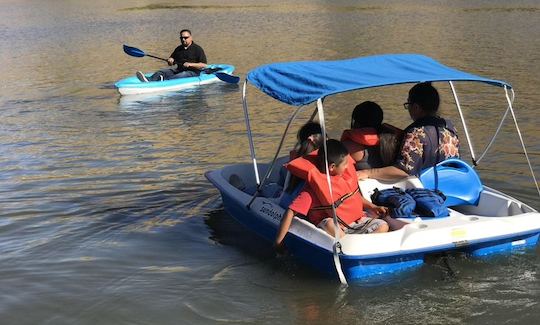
(198, 97)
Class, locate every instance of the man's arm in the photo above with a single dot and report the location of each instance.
(171, 60)
(201, 61)
(198, 65)
(388, 173)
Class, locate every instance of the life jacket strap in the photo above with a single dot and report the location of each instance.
(338, 201)
(356, 229)
(337, 204)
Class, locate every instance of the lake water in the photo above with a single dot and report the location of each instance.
(107, 218)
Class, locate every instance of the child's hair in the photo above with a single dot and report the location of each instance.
(312, 143)
(388, 148)
(336, 153)
(367, 114)
(308, 129)
(309, 139)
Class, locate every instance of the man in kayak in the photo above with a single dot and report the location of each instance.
(188, 57)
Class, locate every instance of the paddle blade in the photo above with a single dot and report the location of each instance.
(133, 51)
(227, 77)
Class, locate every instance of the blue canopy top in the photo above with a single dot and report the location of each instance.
(301, 83)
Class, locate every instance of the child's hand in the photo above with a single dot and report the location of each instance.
(378, 211)
(280, 249)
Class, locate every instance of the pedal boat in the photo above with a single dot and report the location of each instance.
(482, 220)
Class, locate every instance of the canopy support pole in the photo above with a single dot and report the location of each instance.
(456, 99)
(248, 129)
(271, 168)
(496, 132)
(520, 137)
(313, 114)
(336, 245)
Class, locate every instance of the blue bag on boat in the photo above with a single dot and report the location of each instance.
(429, 203)
(400, 203)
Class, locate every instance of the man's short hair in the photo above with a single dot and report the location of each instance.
(426, 96)
(185, 31)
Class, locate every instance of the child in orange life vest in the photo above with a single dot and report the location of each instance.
(315, 200)
(362, 140)
(308, 139)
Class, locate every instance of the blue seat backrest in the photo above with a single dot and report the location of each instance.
(287, 198)
(456, 179)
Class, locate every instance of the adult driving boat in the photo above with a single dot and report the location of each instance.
(212, 73)
(481, 220)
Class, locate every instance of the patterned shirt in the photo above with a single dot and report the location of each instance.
(420, 144)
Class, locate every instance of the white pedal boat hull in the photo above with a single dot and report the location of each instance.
(499, 223)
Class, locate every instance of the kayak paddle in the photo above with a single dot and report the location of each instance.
(133, 51)
(138, 53)
(229, 78)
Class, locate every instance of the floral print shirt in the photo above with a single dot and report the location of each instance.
(419, 146)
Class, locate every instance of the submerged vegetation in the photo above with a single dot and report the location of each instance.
(168, 6)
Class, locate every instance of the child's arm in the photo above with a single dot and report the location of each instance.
(283, 228)
(301, 205)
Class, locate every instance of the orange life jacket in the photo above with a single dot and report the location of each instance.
(368, 140)
(364, 136)
(345, 197)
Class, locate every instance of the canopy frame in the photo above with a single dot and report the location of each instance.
(302, 83)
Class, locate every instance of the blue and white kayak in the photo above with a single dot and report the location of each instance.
(132, 85)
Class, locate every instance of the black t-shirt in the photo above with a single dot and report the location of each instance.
(193, 54)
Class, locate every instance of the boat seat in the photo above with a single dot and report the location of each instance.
(271, 190)
(286, 198)
(458, 181)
